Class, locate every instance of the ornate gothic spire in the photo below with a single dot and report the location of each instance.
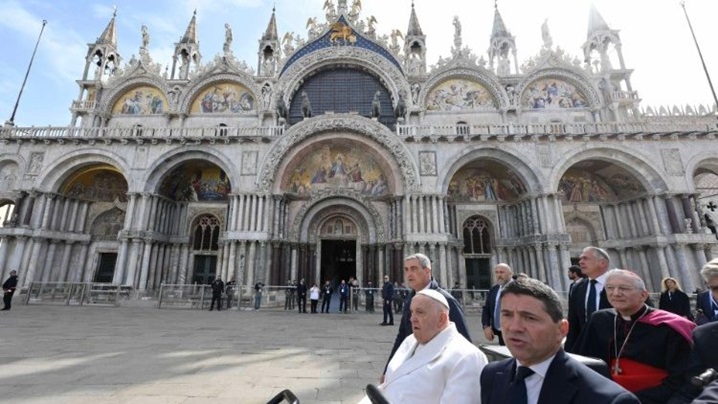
(190, 36)
(502, 46)
(414, 46)
(499, 29)
(414, 27)
(109, 35)
(596, 23)
(271, 32)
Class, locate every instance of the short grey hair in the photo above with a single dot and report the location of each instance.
(423, 260)
(710, 269)
(599, 253)
(635, 278)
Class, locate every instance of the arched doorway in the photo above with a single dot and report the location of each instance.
(338, 237)
(205, 246)
(477, 252)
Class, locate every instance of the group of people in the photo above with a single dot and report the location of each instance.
(648, 354)
(218, 288)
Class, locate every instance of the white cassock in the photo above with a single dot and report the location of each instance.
(445, 370)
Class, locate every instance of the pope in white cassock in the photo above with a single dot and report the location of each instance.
(435, 364)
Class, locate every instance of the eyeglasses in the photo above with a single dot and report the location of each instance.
(621, 289)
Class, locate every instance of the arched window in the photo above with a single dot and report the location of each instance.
(477, 238)
(206, 234)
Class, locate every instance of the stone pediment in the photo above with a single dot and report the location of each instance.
(142, 67)
(226, 63)
(552, 59)
(342, 34)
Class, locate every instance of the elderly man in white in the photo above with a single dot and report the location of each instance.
(435, 364)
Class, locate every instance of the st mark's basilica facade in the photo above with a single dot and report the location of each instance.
(344, 151)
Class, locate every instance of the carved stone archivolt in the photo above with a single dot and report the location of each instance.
(113, 94)
(326, 123)
(237, 77)
(482, 76)
(354, 204)
(570, 76)
(389, 75)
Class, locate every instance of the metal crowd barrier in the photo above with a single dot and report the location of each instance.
(76, 293)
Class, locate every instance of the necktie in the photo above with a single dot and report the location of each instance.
(497, 310)
(591, 304)
(517, 388)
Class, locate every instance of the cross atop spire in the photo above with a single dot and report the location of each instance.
(109, 35)
(414, 27)
(271, 32)
(190, 36)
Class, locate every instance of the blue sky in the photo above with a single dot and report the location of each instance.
(656, 39)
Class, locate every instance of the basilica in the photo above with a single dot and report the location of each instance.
(343, 150)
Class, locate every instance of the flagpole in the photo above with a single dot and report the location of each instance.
(708, 76)
(11, 121)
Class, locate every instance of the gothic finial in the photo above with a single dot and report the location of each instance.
(114, 13)
(195, 12)
(496, 4)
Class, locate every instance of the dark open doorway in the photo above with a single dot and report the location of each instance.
(478, 273)
(106, 271)
(205, 267)
(338, 260)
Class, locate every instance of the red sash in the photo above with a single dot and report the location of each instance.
(636, 376)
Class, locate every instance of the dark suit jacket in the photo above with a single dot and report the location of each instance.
(704, 355)
(487, 314)
(567, 381)
(577, 311)
(705, 344)
(704, 304)
(677, 304)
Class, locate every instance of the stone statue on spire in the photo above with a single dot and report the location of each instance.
(546, 35)
(227, 38)
(145, 37)
(457, 33)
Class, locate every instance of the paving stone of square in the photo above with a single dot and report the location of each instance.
(124, 355)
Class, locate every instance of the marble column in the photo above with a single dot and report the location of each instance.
(48, 265)
(83, 274)
(65, 263)
(121, 266)
(145, 264)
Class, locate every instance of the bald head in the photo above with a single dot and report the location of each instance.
(503, 274)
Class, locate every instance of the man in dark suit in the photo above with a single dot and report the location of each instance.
(704, 356)
(9, 289)
(490, 315)
(707, 302)
(217, 289)
(387, 297)
(588, 295)
(540, 371)
(302, 296)
(575, 275)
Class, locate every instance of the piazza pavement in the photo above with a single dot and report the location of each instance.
(136, 353)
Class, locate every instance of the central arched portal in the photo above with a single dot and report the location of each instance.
(338, 236)
(338, 260)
